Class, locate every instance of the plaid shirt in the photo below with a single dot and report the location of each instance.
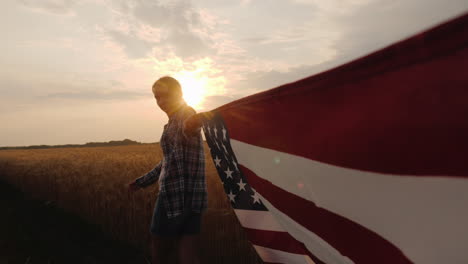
(181, 173)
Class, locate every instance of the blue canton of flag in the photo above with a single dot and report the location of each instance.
(239, 192)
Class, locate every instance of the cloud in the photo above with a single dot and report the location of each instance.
(357, 37)
(181, 28)
(188, 44)
(214, 101)
(20, 94)
(96, 95)
(179, 14)
(133, 46)
(245, 3)
(381, 23)
(258, 81)
(84, 90)
(263, 80)
(255, 40)
(57, 7)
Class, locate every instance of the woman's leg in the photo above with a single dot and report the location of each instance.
(155, 250)
(160, 249)
(188, 249)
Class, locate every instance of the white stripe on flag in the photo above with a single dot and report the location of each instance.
(261, 220)
(319, 247)
(278, 256)
(428, 215)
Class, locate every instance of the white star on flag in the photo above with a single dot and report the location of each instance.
(217, 162)
(256, 197)
(231, 196)
(241, 185)
(224, 133)
(228, 173)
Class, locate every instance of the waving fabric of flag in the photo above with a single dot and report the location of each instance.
(364, 163)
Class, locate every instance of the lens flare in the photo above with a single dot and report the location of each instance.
(193, 87)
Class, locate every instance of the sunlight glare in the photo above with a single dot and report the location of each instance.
(193, 87)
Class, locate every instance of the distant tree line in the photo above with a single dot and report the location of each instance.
(89, 144)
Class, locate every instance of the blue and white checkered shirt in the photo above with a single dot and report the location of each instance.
(182, 170)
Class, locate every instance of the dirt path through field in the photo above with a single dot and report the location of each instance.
(36, 232)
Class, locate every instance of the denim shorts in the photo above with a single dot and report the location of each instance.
(188, 223)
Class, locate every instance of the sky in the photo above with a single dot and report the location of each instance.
(77, 71)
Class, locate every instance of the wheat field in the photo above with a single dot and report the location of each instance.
(91, 183)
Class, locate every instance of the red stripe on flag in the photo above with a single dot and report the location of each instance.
(349, 238)
(279, 241)
(401, 110)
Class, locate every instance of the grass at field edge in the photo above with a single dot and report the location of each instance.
(33, 231)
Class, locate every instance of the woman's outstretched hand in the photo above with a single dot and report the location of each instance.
(193, 123)
(133, 187)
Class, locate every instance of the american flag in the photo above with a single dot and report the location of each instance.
(268, 237)
(365, 163)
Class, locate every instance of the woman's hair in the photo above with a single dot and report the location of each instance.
(172, 84)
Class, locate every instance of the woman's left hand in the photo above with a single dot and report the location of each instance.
(193, 123)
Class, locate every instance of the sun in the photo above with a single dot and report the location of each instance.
(193, 87)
